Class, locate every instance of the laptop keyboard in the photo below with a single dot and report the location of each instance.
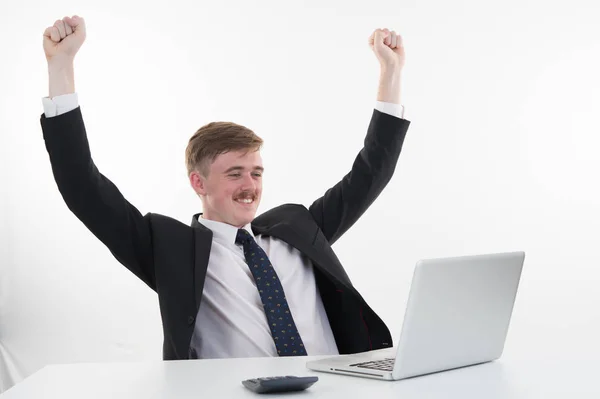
(383, 365)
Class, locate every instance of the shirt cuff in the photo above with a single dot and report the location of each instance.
(393, 109)
(60, 104)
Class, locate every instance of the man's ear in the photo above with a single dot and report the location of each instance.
(198, 182)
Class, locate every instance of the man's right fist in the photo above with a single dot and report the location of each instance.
(63, 39)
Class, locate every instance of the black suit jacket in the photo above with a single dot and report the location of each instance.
(172, 258)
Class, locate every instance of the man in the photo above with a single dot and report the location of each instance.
(232, 285)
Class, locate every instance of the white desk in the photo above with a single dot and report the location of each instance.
(548, 378)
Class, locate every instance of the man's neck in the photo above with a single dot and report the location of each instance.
(219, 221)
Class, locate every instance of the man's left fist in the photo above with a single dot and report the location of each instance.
(387, 46)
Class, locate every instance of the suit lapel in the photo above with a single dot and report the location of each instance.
(322, 256)
(202, 246)
(310, 243)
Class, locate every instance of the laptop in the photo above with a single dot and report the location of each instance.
(457, 315)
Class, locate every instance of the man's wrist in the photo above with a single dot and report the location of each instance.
(392, 69)
(389, 85)
(61, 78)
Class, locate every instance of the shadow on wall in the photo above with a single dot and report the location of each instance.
(8, 368)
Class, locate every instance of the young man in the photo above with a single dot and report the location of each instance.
(232, 285)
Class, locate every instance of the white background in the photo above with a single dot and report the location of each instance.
(502, 153)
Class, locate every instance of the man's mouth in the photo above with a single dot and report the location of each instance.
(245, 200)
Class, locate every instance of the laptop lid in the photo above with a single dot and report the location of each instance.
(458, 312)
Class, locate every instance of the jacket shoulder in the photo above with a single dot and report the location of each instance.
(282, 214)
(162, 225)
(163, 219)
(294, 216)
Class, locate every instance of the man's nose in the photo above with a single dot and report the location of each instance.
(249, 183)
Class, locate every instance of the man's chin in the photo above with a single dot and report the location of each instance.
(243, 218)
(243, 213)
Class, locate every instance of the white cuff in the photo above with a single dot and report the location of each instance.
(60, 104)
(393, 109)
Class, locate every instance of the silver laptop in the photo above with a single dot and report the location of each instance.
(457, 315)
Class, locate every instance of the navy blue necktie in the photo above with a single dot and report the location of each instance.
(279, 316)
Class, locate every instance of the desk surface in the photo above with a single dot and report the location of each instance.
(546, 378)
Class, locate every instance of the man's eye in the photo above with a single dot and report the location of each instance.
(258, 174)
(235, 175)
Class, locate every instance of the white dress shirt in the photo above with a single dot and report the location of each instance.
(231, 321)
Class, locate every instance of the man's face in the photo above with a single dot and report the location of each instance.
(232, 190)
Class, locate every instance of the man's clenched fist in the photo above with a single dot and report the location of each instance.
(388, 48)
(63, 39)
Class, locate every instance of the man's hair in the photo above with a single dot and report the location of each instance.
(218, 138)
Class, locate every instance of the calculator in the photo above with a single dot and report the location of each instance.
(286, 383)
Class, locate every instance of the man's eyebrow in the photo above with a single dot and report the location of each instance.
(238, 168)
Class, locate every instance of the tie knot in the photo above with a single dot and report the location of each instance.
(243, 237)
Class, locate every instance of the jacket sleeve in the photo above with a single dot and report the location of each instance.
(94, 199)
(341, 206)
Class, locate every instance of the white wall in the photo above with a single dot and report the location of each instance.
(502, 153)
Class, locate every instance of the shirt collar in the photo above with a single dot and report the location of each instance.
(223, 232)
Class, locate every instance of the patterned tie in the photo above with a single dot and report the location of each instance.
(283, 329)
